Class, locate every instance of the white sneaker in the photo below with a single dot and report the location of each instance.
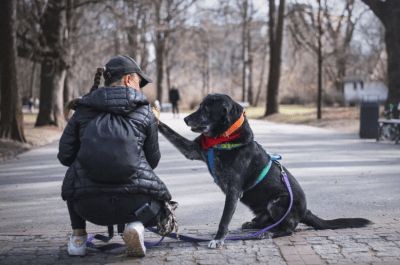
(77, 245)
(134, 239)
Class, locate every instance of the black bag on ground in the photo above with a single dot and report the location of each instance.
(109, 150)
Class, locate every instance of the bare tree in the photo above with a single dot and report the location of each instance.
(135, 21)
(169, 15)
(388, 13)
(11, 121)
(320, 59)
(46, 37)
(276, 24)
(306, 25)
(54, 63)
(205, 66)
(246, 10)
(262, 71)
(249, 47)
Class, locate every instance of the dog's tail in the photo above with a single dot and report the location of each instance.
(318, 223)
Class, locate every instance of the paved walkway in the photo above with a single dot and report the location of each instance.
(341, 175)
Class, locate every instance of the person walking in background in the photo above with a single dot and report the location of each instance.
(173, 99)
(31, 105)
(111, 148)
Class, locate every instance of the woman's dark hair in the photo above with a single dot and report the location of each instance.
(97, 78)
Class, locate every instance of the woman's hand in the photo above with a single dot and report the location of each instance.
(156, 112)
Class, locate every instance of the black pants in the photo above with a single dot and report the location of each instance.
(175, 109)
(107, 210)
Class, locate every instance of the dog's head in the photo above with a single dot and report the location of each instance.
(216, 113)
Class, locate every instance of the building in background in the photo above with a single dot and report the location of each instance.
(356, 90)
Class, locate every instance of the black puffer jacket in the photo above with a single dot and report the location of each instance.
(134, 107)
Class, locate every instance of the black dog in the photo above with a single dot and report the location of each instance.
(236, 168)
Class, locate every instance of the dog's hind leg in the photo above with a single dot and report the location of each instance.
(276, 209)
(190, 149)
(260, 221)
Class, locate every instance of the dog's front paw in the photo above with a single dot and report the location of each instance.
(216, 244)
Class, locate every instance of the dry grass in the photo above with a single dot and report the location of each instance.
(34, 136)
(344, 119)
(37, 136)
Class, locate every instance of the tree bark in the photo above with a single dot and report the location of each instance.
(54, 65)
(144, 54)
(262, 73)
(33, 80)
(244, 48)
(160, 48)
(168, 71)
(389, 14)
(319, 53)
(276, 23)
(68, 88)
(11, 121)
(250, 97)
(392, 40)
(51, 94)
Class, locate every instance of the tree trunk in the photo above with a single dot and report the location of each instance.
(33, 80)
(133, 41)
(160, 47)
(68, 88)
(392, 39)
(244, 49)
(262, 73)
(250, 68)
(319, 63)
(51, 94)
(54, 65)
(276, 36)
(389, 14)
(168, 73)
(144, 53)
(204, 77)
(11, 121)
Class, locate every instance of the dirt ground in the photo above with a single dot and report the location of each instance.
(34, 136)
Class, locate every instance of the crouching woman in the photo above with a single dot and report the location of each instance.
(111, 148)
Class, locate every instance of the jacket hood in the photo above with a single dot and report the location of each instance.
(117, 100)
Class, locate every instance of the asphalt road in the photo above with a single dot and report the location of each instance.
(342, 176)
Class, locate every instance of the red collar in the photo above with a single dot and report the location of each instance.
(227, 136)
(207, 142)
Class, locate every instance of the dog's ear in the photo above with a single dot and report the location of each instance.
(225, 109)
(232, 110)
(236, 110)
